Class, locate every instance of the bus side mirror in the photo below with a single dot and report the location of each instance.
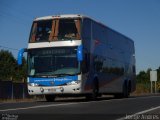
(80, 53)
(20, 55)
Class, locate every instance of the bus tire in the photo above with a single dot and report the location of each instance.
(125, 90)
(125, 93)
(95, 91)
(50, 98)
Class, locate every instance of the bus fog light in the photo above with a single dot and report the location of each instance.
(61, 89)
(41, 89)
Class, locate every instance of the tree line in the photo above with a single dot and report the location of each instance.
(10, 70)
(144, 76)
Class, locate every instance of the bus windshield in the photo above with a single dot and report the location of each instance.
(56, 29)
(53, 61)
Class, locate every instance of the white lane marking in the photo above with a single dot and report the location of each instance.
(40, 106)
(138, 113)
(51, 105)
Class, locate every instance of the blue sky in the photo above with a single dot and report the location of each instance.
(137, 19)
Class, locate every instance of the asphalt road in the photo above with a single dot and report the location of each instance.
(107, 108)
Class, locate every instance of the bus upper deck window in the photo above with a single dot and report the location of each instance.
(41, 31)
(69, 29)
(55, 29)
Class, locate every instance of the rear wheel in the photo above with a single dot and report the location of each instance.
(50, 98)
(125, 93)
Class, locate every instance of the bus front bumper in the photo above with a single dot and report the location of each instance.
(42, 90)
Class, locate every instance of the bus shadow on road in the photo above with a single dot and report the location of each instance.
(83, 99)
(79, 99)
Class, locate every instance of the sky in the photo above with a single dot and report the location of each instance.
(136, 19)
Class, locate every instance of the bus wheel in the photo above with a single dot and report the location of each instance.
(50, 98)
(125, 93)
(94, 94)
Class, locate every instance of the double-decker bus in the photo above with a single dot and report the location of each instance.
(76, 55)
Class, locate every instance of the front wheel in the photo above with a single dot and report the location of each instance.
(50, 98)
(95, 91)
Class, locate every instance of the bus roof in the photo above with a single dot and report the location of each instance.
(77, 16)
(59, 16)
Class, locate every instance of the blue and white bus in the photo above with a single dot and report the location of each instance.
(76, 55)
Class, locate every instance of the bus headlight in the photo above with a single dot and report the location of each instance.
(33, 84)
(74, 82)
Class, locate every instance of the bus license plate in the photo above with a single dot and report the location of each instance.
(52, 90)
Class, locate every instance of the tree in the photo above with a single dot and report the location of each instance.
(144, 77)
(7, 65)
(158, 74)
(21, 72)
(9, 69)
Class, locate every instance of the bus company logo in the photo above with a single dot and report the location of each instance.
(44, 80)
(61, 79)
(53, 80)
